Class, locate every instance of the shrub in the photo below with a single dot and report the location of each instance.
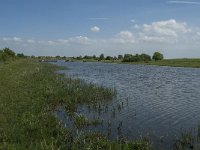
(157, 56)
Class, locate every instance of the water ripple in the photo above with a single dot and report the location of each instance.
(160, 101)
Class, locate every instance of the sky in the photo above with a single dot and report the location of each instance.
(111, 27)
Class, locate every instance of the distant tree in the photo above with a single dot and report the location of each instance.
(20, 55)
(79, 57)
(94, 57)
(1, 53)
(9, 52)
(109, 58)
(145, 57)
(120, 57)
(87, 57)
(127, 57)
(101, 57)
(157, 56)
(136, 58)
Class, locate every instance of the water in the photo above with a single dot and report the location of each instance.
(158, 102)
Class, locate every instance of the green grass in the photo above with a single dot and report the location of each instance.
(29, 94)
(82, 121)
(183, 62)
(193, 63)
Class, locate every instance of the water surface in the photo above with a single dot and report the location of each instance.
(159, 102)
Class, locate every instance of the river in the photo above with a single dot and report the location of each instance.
(156, 102)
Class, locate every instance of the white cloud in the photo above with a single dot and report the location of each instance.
(31, 41)
(95, 29)
(136, 26)
(184, 2)
(132, 20)
(51, 43)
(198, 33)
(124, 37)
(168, 28)
(63, 41)
(162, 31)
(153, 39)
(16, 39)
(83, 40)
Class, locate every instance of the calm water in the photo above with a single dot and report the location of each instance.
(158, 102)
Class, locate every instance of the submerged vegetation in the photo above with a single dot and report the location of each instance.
(31, 92)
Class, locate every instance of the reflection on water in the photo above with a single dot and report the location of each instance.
(159, 102)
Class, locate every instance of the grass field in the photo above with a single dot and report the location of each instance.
(185, 62)
(29, 94)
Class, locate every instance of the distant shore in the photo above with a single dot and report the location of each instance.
(181, 62)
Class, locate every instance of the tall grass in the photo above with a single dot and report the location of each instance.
(30, 92)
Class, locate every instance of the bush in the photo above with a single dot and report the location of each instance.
(136, 58)
(20, 55)
(157, 56)
(101, 57)
(6, 54)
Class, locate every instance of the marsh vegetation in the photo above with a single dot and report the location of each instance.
(31, 92)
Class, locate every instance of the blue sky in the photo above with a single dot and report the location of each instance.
(112, 27)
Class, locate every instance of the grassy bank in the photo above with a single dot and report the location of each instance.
(29, 94)
(185, 62)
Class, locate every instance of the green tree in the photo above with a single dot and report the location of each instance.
(9, 52)
(101, 57)
(79, 57)
(127, 58)
(120, 57)
(1, 52)
(145, 57)
(20, 55)
(157, 56)
(109, 58)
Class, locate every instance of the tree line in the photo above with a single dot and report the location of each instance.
(125, 58)
(7, 54)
